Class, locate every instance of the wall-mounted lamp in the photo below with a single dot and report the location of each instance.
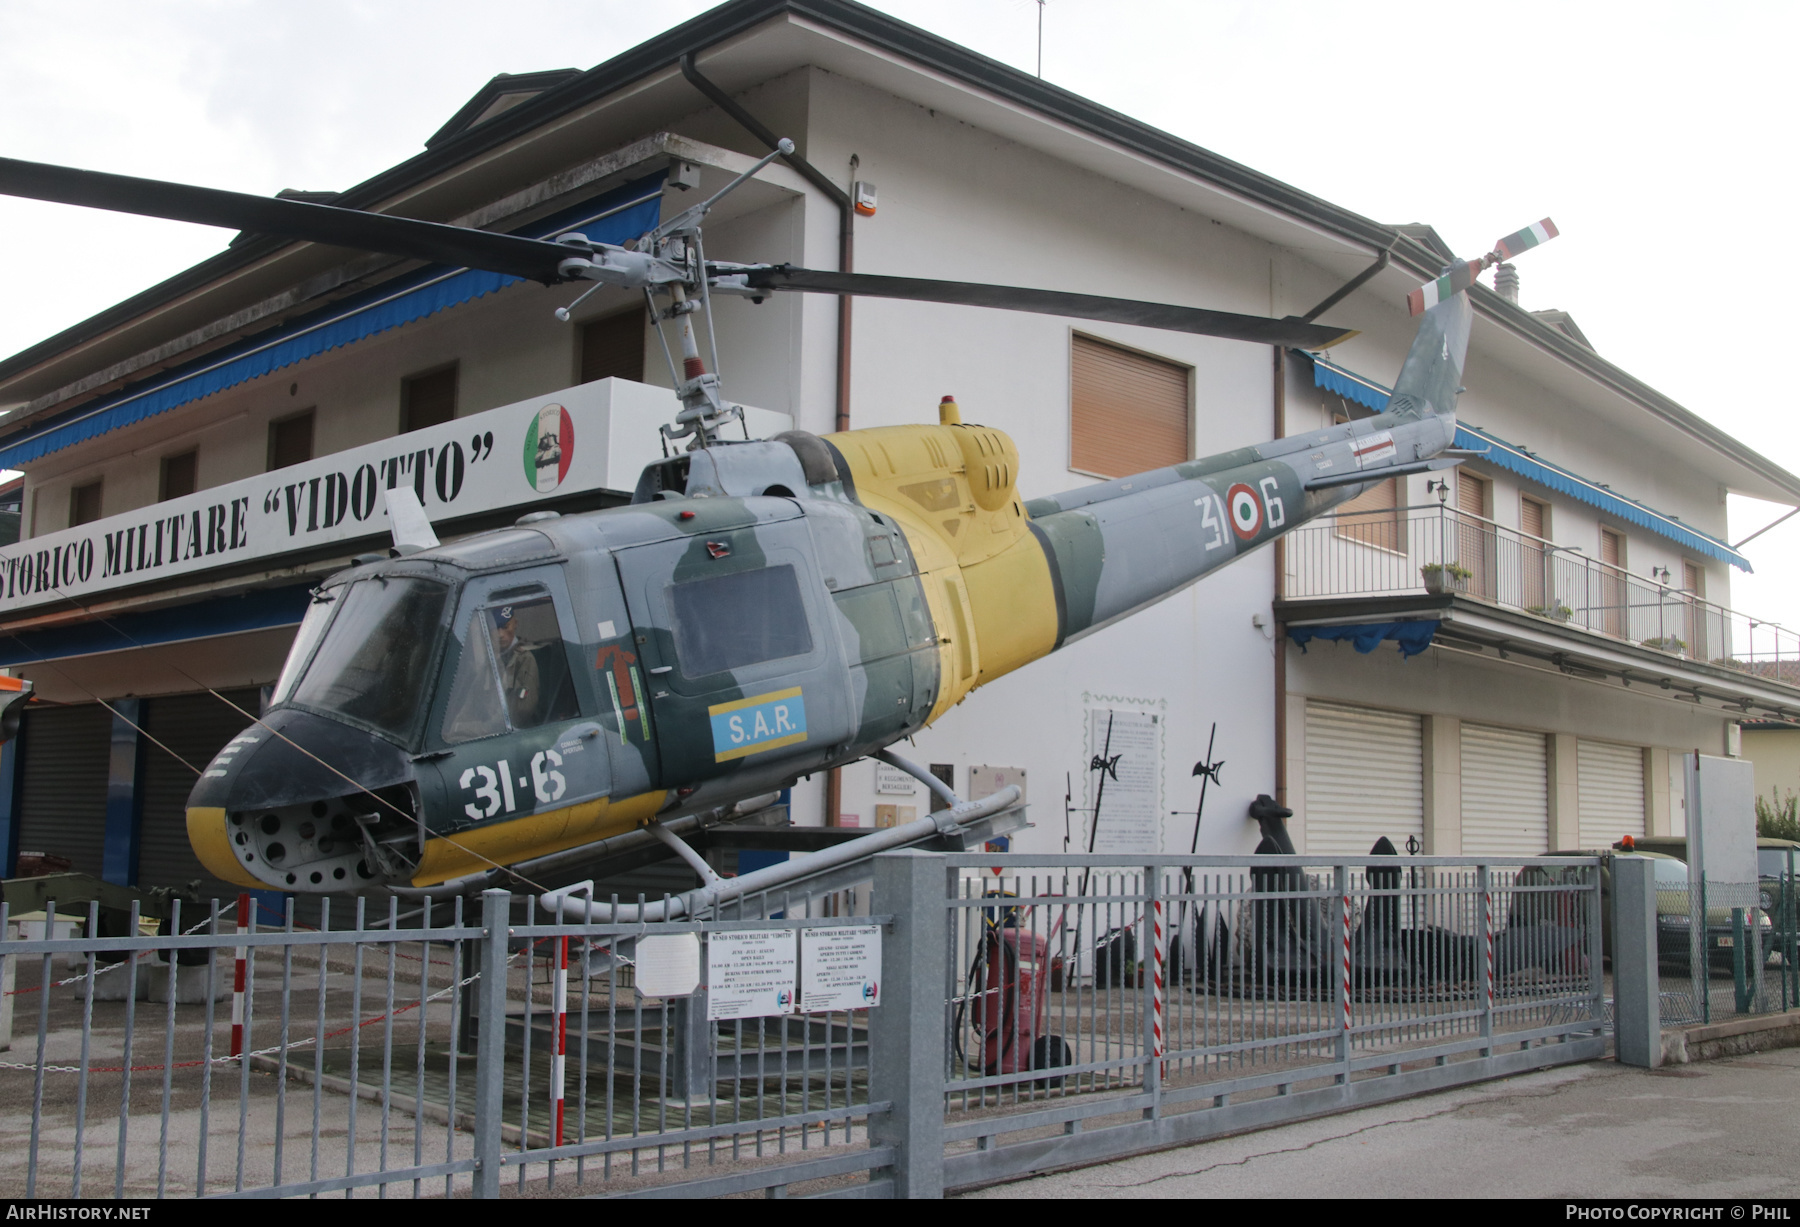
(1440, 488)
(1661, 575)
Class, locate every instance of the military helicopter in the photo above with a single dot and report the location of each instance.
(538, 696)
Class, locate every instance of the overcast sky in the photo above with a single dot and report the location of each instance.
(1652, 133)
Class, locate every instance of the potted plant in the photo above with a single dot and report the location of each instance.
(1442, 577)
(1667, 643)
(1556, 612)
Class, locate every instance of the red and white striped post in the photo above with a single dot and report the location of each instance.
(1346, 983)
(559, 1023)
(237, 982)
(1487, 908)
(1159, 947)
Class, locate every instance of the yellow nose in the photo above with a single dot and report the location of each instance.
(210, 835)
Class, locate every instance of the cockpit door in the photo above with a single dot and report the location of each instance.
(512, 732)
(740, 658)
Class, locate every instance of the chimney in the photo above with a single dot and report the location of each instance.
(1506, 283)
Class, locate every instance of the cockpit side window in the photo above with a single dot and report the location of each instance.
(475, 708)
(514, 671)
(534, 664)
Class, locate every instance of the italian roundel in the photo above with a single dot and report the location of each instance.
(549, 448)
(1246, 511)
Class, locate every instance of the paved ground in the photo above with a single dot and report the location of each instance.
(1717, 1129)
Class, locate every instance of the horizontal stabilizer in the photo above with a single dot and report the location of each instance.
(1383, 473)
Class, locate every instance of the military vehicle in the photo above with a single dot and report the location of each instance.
(524, 699)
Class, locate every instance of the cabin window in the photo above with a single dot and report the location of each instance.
(727, 622)
(1128, 412)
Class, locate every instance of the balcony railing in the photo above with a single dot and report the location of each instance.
(1432, 549)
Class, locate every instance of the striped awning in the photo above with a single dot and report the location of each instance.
(622, 214)
(1515, 459)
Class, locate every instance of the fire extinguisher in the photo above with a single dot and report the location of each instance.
(1012, 969)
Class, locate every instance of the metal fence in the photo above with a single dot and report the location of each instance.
(1107, 1004)
(1061, 1010)
(1749, 948)
(421, 1053)
(1439, 549)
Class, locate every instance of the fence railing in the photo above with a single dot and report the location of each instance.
(1098, 1005)
(1439, 549)
(1060, 1010)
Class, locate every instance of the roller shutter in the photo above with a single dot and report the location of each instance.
(195, 726)
(1505, 792)
(1611, 792)
(62, 809)
(1127, 412)
(1364, 779)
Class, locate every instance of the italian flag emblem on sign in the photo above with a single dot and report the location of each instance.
(549, 447)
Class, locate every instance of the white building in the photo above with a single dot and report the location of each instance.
(1514, 731)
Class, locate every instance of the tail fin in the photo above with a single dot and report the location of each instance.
(1432, 376)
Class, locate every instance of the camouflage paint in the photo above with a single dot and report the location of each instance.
(922, 576)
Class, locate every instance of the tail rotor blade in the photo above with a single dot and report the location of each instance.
(1524, 240)
(1459, 278)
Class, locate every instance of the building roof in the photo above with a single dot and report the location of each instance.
(481, 127)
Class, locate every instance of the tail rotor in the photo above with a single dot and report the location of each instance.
(1460, 276)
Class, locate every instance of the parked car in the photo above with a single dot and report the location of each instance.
(1771, 861)
(1674, 912)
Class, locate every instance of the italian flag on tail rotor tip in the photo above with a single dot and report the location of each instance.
(1461, 276)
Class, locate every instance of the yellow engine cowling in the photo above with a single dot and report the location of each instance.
(951, 489)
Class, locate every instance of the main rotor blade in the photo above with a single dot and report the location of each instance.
(1292, 331)
(533, 259)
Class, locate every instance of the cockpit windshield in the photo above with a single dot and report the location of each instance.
(372, 661)
(318, 613)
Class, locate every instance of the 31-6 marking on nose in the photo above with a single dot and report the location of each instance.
(1246, 511)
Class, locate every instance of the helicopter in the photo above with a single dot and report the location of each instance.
(537, 696)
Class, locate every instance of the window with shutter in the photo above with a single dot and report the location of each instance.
(291, 440)
(1127, 412)
(180, 475)
(428, 399)
(613, 348)
(1373, 517)
(1534, 521)
(1475, 537)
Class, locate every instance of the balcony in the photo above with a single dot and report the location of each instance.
(1493, 587)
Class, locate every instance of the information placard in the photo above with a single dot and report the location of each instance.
(750, 974)
(668, 965)
(840, 968)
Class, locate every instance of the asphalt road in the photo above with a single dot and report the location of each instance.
(1719, 1129)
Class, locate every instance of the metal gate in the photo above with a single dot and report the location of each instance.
(1060, 1011)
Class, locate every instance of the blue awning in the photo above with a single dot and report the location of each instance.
(622, 214)
(1515, 459)
(262, 609)
(1413, 636)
